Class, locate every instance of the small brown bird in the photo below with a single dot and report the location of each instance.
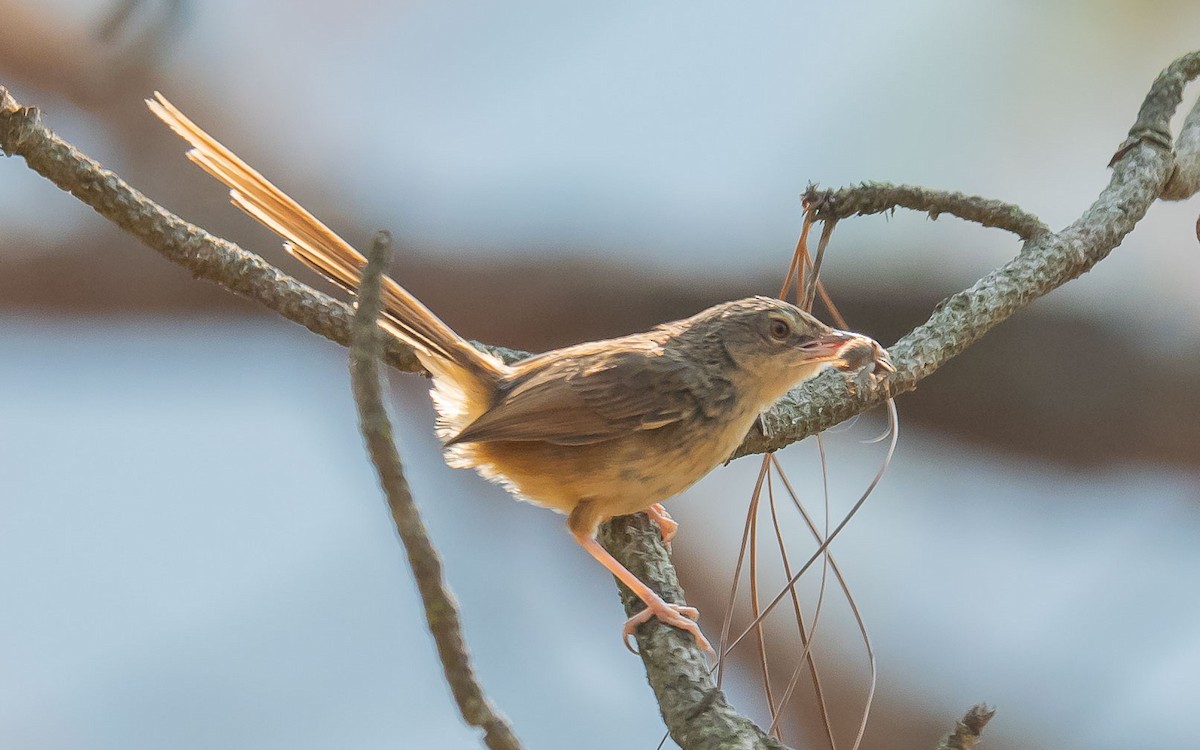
(595, 430)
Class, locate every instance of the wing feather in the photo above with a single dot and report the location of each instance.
(577, 400)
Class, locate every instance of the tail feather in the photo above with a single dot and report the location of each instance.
(319, 247)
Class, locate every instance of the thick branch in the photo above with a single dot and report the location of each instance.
(1141, 168)
(441, 613)
(693, 708)
(1185, 179)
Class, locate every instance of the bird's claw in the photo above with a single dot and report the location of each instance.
(667, 526)
(676, 615)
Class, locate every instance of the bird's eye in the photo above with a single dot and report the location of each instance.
(779, 329)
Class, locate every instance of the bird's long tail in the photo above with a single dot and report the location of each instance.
(449, 357)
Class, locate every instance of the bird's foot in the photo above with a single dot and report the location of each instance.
(676, 615)
(667, 526)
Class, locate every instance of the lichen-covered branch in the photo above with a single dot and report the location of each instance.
(206, 256)
(1140, 170)
(1143, 168)
(441, 613)
(693, 708)
(1184, 181)
(878, 197)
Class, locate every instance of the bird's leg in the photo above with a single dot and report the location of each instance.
(676, 615)
(583, 522)
(667, 526)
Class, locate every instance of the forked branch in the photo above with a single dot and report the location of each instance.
(1141, 169)
(1144, 169)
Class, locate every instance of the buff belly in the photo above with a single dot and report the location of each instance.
(620, 476)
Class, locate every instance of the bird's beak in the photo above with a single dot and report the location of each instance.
(829, 347)
(851, 351)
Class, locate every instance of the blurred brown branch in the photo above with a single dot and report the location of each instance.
(92, 64)
(1142, 169)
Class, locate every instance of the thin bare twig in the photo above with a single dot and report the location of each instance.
(759, 636)
(837, 572)
(807, 644)
(829, 537)
(805, 638)
(878, 197)
(1141, 167)
(810, 293)
(441, 612)
(727, 620)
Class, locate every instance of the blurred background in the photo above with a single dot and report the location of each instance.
(193, 549)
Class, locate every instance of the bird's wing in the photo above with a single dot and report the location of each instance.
(576, 400)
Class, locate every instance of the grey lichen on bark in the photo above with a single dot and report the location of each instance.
(1184, 181)
(1140, 170)
(879, 197)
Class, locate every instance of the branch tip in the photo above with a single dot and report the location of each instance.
(968, 729)
(880, 197)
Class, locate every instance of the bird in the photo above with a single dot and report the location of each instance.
(593, 430)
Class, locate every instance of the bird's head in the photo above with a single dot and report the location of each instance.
(773, 346)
